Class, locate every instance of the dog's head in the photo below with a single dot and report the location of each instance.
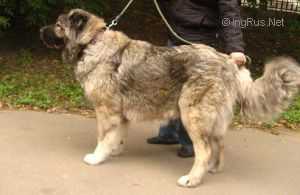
(71, 32)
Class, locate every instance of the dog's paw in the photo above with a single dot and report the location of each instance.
(93, 159)
(188, 181)
(215, 168)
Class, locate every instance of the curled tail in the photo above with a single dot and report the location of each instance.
(266, 97)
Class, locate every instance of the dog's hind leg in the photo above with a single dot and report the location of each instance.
(216, 162)
(223, 120)
(199, 110)
(111, 133)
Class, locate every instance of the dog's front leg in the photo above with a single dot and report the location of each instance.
(111, 131)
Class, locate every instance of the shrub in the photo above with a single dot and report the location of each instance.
(38, 12)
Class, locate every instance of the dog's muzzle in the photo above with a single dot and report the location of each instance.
(50, 39)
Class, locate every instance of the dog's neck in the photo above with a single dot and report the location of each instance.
(98, 36)
(106, 50)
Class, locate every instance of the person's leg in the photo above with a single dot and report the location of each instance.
(167, 135)
(186, 150)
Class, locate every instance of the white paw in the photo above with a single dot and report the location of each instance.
(183, 181)
(187, 181)
(93, 159)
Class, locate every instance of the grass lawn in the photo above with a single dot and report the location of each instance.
(38, 83)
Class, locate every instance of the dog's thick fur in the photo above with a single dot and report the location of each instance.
(129, 80)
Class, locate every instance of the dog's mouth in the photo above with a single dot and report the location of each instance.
(50, 39)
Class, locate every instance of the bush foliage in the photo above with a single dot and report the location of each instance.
(38, 12)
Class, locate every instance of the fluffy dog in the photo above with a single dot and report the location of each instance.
(130, 80)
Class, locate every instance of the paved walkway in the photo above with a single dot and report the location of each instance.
(42, 154)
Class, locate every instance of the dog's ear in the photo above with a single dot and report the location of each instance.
(78, 21)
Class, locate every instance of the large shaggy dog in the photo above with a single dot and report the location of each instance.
(129, 80)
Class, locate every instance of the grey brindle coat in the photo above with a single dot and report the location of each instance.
(129, 80)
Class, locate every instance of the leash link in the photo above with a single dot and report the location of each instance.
(115, 21)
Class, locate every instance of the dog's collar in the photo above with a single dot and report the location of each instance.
(93, 41)
(99, 33)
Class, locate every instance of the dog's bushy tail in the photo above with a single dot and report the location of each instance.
(265, 98)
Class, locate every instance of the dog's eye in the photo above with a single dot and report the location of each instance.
(59, 27)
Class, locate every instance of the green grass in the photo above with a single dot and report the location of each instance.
(43, 87)
(24, 57)
(43, 91)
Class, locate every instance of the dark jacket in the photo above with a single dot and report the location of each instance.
(201, 20)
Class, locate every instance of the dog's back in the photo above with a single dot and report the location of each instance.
(151, 78)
